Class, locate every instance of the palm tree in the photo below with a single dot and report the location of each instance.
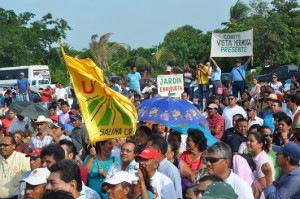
(162, 57)
(237, 13)
(102, 50)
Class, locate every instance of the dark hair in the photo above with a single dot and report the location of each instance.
(60, 100)
(176, 134)
(260, 139)
(64, 103)
(287, 119)
(213, 178)
(238, 115)
(159, 143)
(279, 115)
(241, 120)
(254, 126)
(69, 170)
(137, 95)
(198, 138)
(134, 144)
(248, 94)
(97, 147)
(57, 194)
(55, 150)
(146, 129)
(112, 81)
(70, 145)
(51, 107)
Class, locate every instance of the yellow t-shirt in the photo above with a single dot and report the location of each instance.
(203, 78)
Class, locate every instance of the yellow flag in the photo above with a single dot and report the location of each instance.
(107, 114)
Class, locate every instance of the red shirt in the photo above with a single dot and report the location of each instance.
(213, 122)
(46, 95)
(193, 165)
(6, 124)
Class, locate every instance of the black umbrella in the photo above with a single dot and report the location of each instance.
(29, 109)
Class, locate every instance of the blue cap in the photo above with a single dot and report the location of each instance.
(77, 117)
(291, 149)
(59, 125)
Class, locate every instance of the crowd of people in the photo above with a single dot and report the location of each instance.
(256, 156)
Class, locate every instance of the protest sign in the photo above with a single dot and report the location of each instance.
(237, 44)
(170, 85)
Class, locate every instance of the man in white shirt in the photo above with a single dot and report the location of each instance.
(218, 161)
(230, 110)
(61, 92)
(149, 158)
(252, 117)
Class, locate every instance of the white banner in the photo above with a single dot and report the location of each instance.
(170, 85)
(237, 44)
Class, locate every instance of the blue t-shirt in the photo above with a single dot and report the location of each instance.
(94, 178)
(235, 74)
(22, 84)
(134, 80)
(216, 75)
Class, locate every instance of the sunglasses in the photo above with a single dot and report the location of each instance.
(5, 145)
(231, 98)
(213, 160)
(268, 135)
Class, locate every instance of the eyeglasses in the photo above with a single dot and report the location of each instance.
(268, 135)
(213, 160)
(231, 98)
(4, 145)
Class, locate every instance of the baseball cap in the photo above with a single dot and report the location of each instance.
(21, 73)
(35, 152)
(218, 190)
(149, 153)
(37, 176)
(59, 125)
(169, 68)
(77, 117)
(73, 111)
(117, 178)
(48, 86)
(54, 118)
(291, 149)
(212, 105)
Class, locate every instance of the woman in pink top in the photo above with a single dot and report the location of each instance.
(256, 147)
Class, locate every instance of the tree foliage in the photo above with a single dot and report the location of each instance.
(276, 26)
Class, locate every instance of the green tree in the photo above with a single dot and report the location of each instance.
(187, 44)
(26, 42)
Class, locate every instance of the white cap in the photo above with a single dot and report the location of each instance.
(37, 176)
(169, 68)
(118, 177)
